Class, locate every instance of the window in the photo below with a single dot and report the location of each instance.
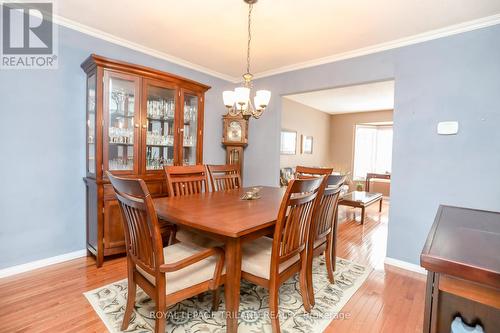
(288, 142)
(373, 150)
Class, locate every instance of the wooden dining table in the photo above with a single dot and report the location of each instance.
(225, 217)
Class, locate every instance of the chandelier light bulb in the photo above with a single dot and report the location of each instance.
(257, 101)
(264, 97)
(242, 94)
(228, 97)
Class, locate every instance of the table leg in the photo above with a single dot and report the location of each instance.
(362, 215)
(232, 287)
(334, 245)
(380, 206)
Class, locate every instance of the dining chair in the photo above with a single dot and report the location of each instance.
(303, 172)
(270, 262)
(167, 274)
(324, 230)
(188, 180)
(224, 177)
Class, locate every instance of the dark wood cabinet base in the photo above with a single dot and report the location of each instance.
(105, 235)
(462, 258)
(448, 297)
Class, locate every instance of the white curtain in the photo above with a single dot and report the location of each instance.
(373, 150)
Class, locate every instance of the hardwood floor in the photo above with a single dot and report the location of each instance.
(391, 299)
(51, 300)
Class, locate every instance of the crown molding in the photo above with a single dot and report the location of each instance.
(415, 39)
(62, 21)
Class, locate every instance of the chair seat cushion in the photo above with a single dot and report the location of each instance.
(194, 238)
(256, 258)
(191, 275)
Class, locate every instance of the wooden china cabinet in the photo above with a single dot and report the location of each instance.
(138, 120)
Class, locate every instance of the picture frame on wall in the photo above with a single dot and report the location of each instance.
(288, 144)
(307, 144)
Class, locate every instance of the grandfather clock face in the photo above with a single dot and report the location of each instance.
(234, 131)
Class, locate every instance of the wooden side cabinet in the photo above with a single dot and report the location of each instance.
(462, 257)
(138, 120)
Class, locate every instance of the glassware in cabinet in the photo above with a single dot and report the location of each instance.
(160, 127)
(91, 120)
(190, 129)
(121, 122)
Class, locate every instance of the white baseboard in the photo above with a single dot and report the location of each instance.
(9, 271)
(405, 265)
(41, 263)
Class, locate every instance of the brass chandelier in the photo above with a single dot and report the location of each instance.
(238, 101)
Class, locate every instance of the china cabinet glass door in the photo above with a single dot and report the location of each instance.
(160, 125)
(91, 118)
(121, 122)
(189, 129)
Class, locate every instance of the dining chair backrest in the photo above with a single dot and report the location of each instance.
(336, 180)
(186, 180)
(294, 219)
(224, 177)
(327, 208)
(303, 172)
(142, 231)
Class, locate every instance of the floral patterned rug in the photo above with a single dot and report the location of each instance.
(194, 315)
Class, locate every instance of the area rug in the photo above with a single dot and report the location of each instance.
(194, 315)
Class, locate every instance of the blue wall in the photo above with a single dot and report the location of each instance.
(453, 78)
(457, 78)
(42, 147)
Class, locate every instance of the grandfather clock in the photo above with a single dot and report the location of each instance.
(235, 139)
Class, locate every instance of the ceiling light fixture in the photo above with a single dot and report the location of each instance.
(238, 101)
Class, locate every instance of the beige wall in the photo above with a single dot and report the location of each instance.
(333, 137)
(306, 121)
(342, 133)
(333, 134)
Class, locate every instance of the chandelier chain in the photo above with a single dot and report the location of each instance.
(238, 102)
(250, 7)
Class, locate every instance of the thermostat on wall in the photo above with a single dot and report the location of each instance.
(447, 127)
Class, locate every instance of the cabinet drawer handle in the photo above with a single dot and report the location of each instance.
(144, 126)
(136, 125)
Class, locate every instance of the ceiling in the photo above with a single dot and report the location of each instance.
(211, 35)
(359, 98)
